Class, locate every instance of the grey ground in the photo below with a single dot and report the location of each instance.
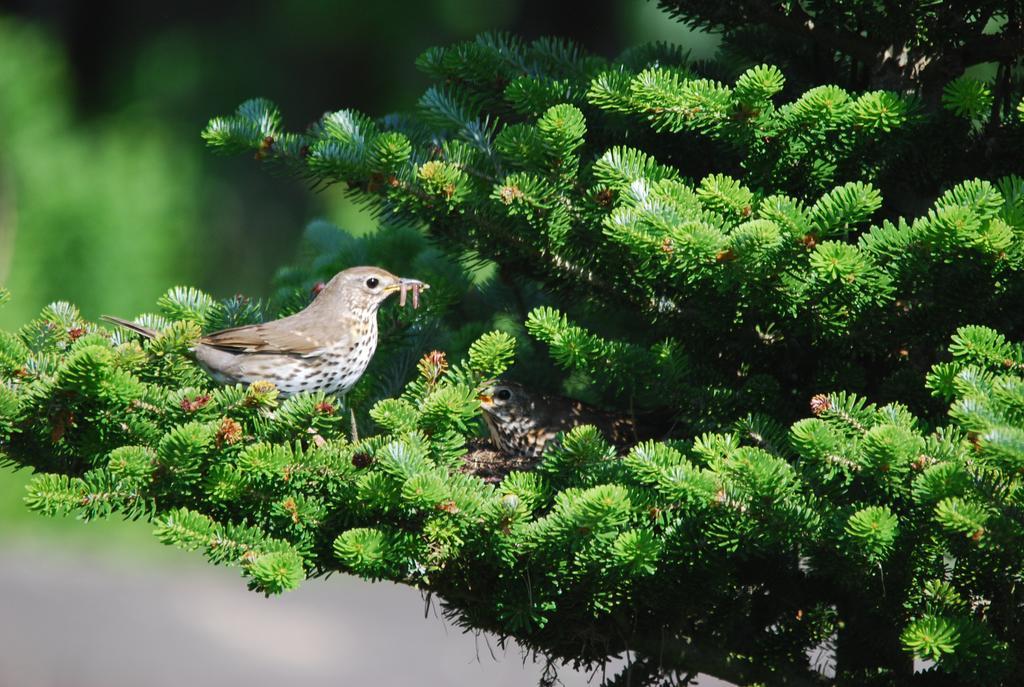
(69, 621)
(75, 619)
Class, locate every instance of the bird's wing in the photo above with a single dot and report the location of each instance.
(264, 338)
(128, 324)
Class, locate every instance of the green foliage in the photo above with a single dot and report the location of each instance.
(873, 530)
(492, 354)
(776, 242)
(967, 97)
(931, 638)
(277, 489)
(701, 247)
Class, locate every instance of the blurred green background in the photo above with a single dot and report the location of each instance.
(107, 195)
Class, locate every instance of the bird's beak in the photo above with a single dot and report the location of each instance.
(404, 285)
(484, 399)
(423, 286)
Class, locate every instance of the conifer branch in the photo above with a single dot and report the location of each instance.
(1005, 46)
(774, 303)
(799, 23)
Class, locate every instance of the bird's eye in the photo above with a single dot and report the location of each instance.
(503, 395)
(372, 282)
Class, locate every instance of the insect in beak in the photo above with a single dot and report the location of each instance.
(414, 285)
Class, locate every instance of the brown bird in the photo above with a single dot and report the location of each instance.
(324, 347)
(522, 421)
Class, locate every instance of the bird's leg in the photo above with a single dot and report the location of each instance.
(343, 403)
(355, 428)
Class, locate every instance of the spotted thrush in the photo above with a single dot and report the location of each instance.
(522, 421)
(324, 347)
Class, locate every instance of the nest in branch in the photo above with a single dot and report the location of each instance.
(491, 465)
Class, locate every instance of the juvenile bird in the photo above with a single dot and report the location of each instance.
(521, 421)
(324, 347)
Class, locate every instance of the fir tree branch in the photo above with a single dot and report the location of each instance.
(1005, 46)
(742, 251)
(799, 23)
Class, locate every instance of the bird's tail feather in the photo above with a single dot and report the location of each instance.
(137, 328)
